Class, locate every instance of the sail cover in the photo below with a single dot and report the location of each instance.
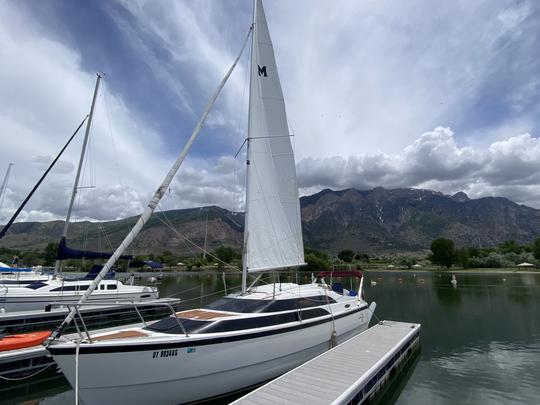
(64, 252)
(273, 233)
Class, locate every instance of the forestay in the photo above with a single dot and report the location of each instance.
(273, 236)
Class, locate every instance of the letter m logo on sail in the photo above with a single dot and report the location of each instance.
(262, 71)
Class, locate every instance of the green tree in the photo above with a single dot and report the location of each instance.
(442, 252)
(408, 261)
(226, 254)
(536, 249)
(510, 246)
(346, 255)
(362, 257)
(316, 260)
(316, 263)
(168, 258)
(31, 258)
(473, 251)
(49, 253)
(461, 257)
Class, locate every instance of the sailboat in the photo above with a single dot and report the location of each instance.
(244, 338)
(37, 292)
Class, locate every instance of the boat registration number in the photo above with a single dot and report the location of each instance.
(165, 353)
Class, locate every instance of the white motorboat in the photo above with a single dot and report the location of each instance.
(245, 338)
(15, 276)
(40, 294)
(22, 279)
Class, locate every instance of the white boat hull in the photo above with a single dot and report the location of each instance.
(12, 303)
(192, 373)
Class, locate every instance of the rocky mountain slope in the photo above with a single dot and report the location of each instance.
(378, 220)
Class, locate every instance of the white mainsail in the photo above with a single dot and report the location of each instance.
(273, 232)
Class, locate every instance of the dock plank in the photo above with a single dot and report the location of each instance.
(325, 378)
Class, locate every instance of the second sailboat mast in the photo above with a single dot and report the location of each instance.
(58, 264)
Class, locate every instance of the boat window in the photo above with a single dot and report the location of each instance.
(36, 284)
(254, 306)
(170, 324)
(111, 287)
(66, 288)
(101, 287)
(262, 321)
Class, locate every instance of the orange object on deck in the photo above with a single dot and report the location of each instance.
(22, 340)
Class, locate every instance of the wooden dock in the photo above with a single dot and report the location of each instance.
(350, 373)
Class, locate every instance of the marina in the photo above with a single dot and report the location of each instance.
(350, 373)
(275, 287)
(460, 361)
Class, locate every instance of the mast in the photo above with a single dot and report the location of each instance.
(4, 186)
(158, 195)
(246, 208)
(58, 264)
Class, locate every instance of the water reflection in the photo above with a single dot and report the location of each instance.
(480, 341)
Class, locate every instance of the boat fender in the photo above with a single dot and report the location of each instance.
(333, 339)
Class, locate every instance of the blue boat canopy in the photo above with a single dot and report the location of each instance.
(94, 271)
(142, 263)
(65, 252)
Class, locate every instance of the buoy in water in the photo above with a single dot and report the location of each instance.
(373, 283)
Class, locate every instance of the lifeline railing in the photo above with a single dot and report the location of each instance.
(135, 305)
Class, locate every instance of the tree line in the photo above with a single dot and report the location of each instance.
(507, 254)
(443, 253)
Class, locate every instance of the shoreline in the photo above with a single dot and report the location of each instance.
(451, 271)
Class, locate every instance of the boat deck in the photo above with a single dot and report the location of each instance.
(24, 361)
(120, 335)
(349, 373)
(204, 314)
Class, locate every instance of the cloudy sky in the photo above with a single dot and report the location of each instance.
(443, 96)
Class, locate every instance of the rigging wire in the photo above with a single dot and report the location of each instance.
(162, 212)
(17, 212)
(169, 224)
(236, 194)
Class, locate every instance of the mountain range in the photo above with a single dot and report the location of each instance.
(371, 221)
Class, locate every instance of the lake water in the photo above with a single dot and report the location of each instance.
(480, 342)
